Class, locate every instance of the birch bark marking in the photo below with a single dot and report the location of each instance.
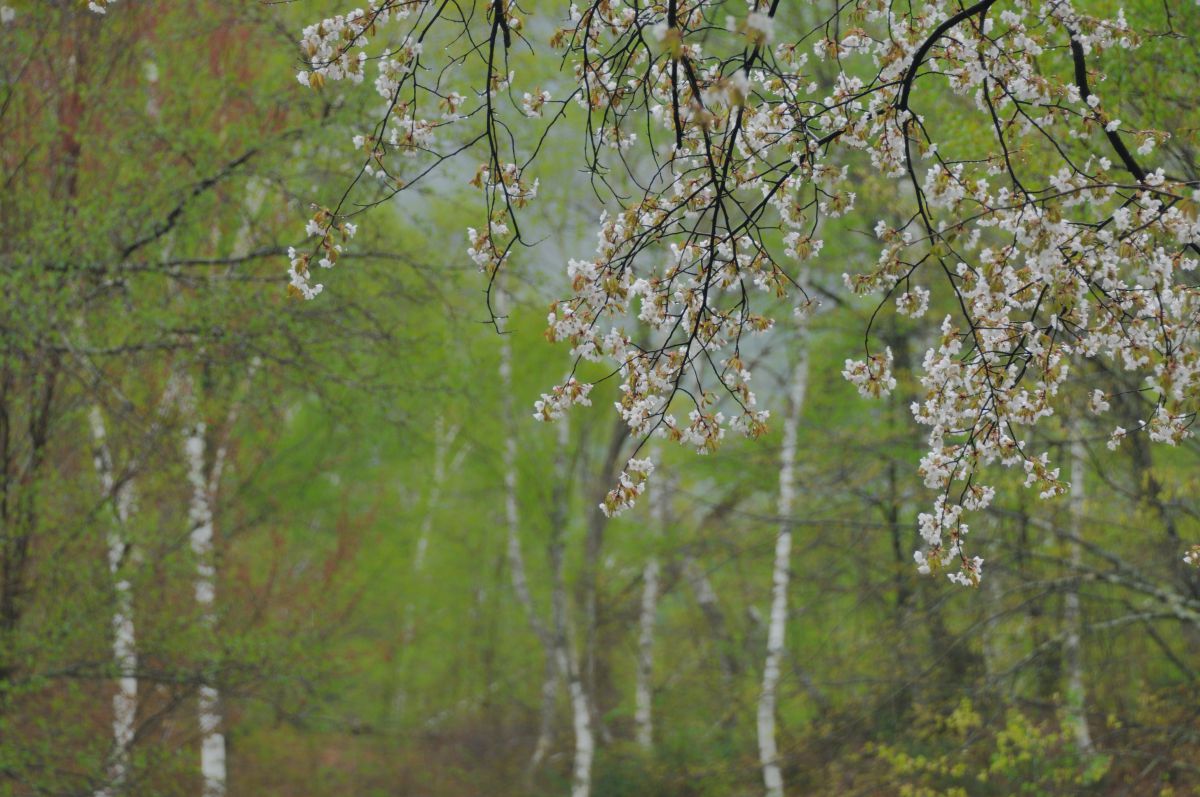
(585, 743)
(768, 751)
(200, 516)
(568, 664)
(124, 648)
(204, 483)
(1072, 652)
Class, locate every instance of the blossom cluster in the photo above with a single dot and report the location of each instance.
(1044, 242)
(328, 235)
(630, 484)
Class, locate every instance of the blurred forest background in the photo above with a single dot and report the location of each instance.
(332, 533)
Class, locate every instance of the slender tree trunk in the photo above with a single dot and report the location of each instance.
(548, 710)
(443, 442)
(768, 752)
(1072, 620)
(205, 481)
(516, 560)
(568, 666)
(124, 648)
(593, 671)
(585, 746)
(212, 740)
(644, 694)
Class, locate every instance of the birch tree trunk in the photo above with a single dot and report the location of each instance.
(205, 481)
(768, 752)
(443, 442)
(585, 745)
(568, 665)
(124, 648)
(1072, 620)
(516, 559)
(644, 694)
(200, 514)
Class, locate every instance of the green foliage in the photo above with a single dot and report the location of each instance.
(345, 668)
(962, 753)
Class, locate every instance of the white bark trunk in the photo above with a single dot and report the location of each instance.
(768, 751)
(516, 559)
(124, 648)
(1072, 652)
(643, 713)
(644, 695)
(443, 443)
(585, 746)
(200, 514)
(568, 665)
(205, 482)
